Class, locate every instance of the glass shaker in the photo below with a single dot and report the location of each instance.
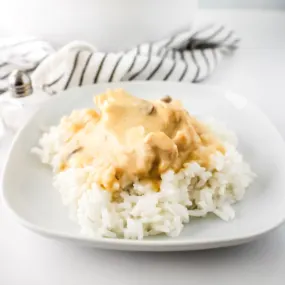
(20, 102)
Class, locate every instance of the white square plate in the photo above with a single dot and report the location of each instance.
(28, 191)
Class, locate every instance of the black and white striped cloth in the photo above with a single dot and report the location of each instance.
(187, 56)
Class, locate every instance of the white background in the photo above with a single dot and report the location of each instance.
(259, 4)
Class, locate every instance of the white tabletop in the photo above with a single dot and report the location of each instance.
(257, 71)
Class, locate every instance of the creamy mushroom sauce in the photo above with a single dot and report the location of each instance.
(132, 139)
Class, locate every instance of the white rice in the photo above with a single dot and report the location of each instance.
(192, 192)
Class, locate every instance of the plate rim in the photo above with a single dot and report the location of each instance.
(165, 244)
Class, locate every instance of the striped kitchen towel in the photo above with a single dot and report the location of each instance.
(187, 56)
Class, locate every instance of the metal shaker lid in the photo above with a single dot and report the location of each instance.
(20, 84)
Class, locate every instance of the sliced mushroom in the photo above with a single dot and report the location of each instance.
(166, 99)
(148, 108)
(73, 152)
